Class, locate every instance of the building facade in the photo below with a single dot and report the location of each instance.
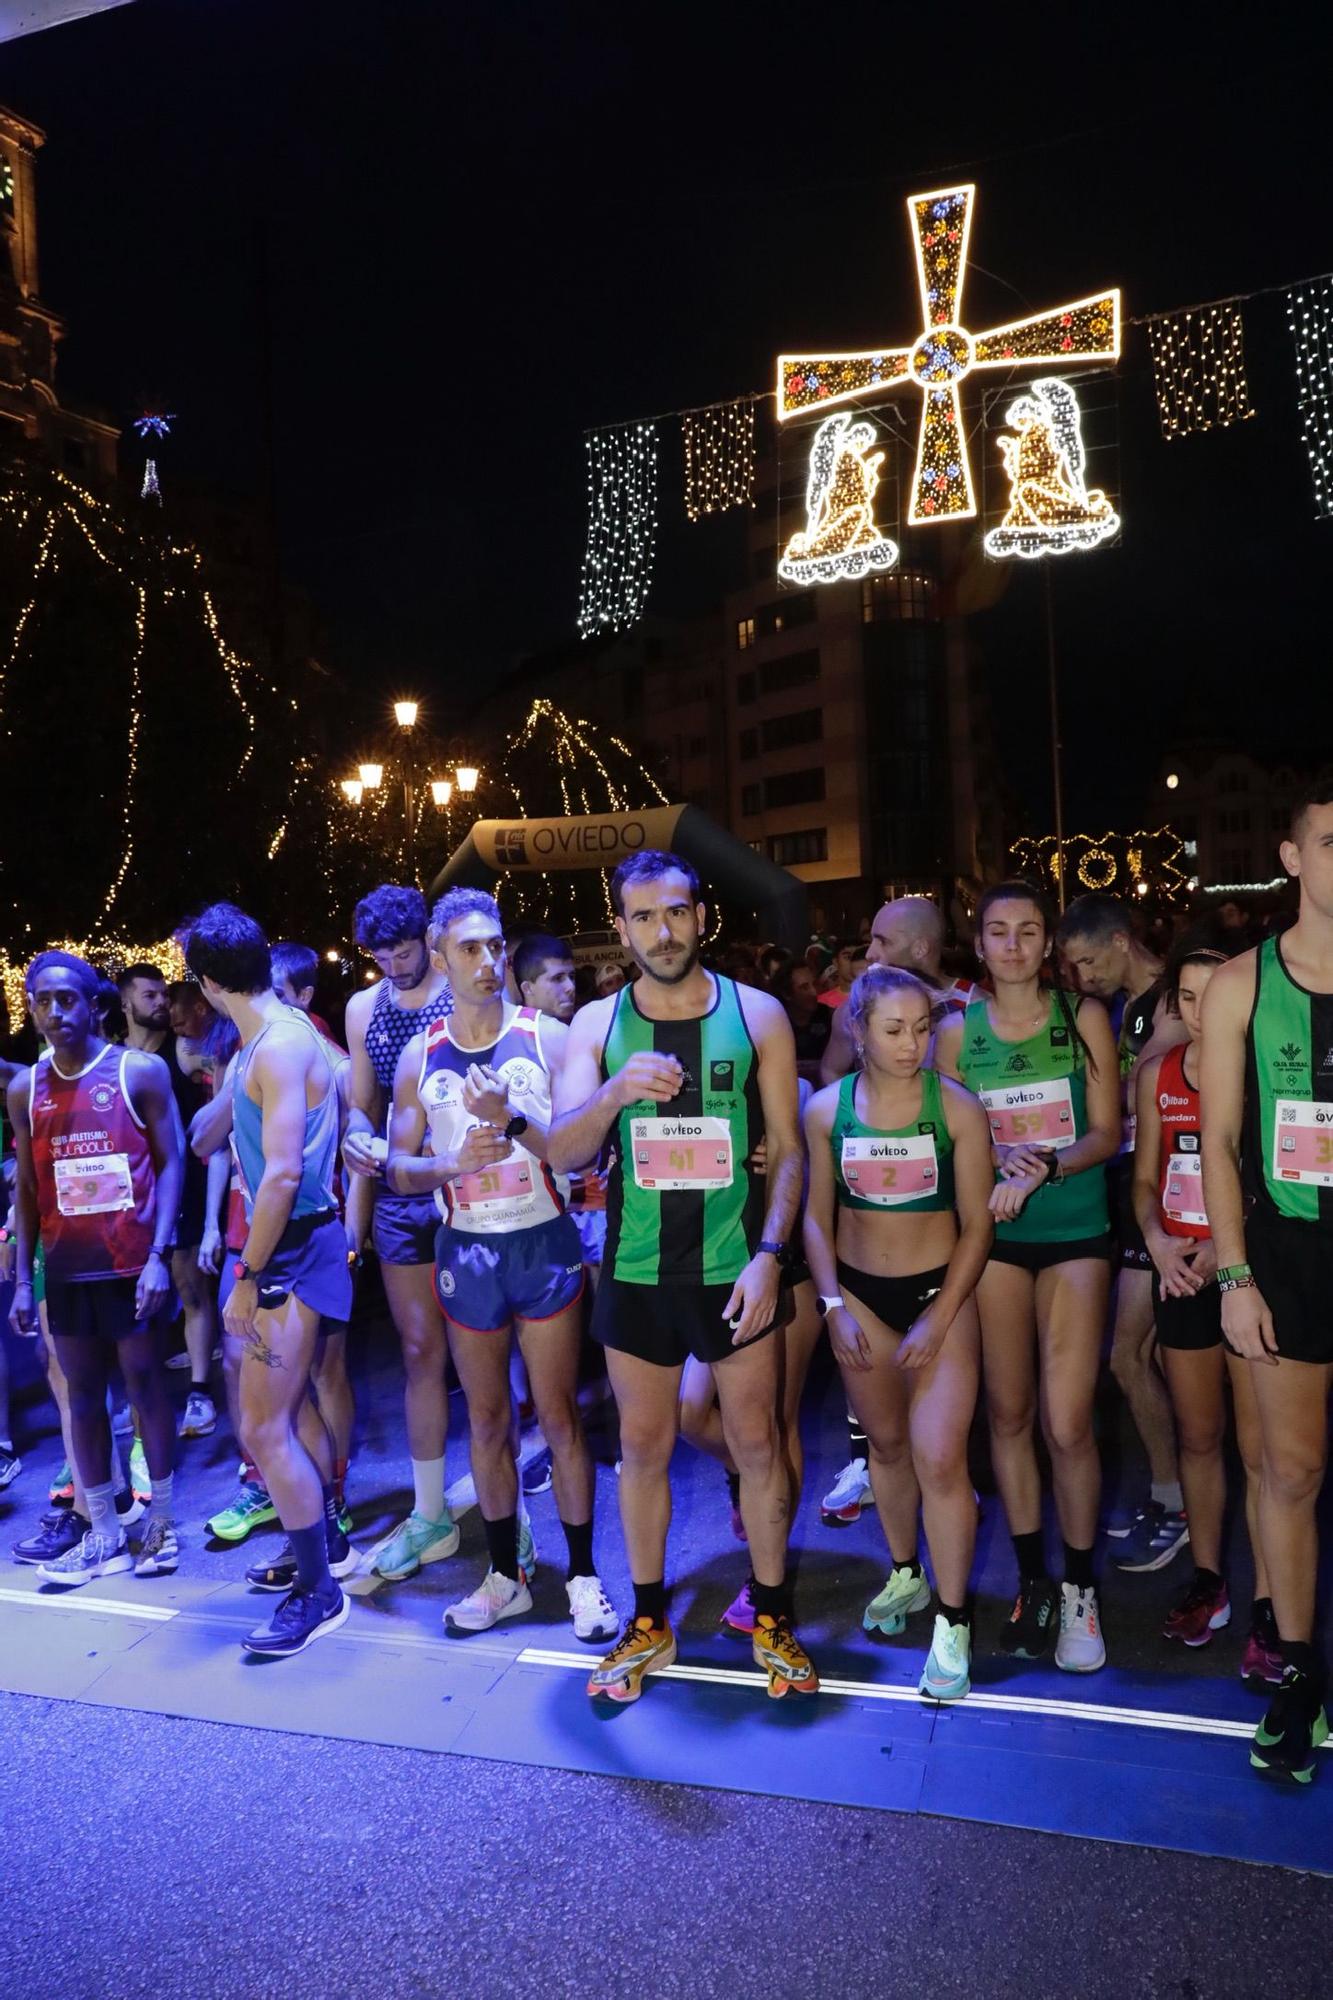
(1231, 810)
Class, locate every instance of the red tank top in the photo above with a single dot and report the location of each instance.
(1180, 1188)
(96, 1188)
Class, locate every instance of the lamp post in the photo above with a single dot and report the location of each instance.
(370, 776)
(405, 715)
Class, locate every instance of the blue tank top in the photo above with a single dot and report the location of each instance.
(390, 1029)
(319, 1149)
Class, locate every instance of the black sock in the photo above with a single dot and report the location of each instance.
(650, 1603)
(1261, 1616)
(334, 1535)
(912, 1562)
(1078, 1567)
(954, 1614)
(578, 1537)
(859, 1441)
(1031, 1553)
(502, 1546)
(310, 1547)
(771, 1600)
(1207, 1579)
(1300, 1653)
(198, 1388)
(734, 1488)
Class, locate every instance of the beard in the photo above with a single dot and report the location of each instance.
(669, 972)
(405, 981)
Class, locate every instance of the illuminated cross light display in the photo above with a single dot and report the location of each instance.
(945, 353)
(1198, 361)
(1310, 317)
(1051, 508)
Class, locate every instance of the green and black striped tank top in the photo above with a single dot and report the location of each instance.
(1287, 1130)
(682, 1206)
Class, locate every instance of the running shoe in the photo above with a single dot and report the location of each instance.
(1261, 1664)
(345, 1522)
(947, 1675)
(1123, 1522)
(494, 1598)
(251, 1508)
(849, 1493)
(182, 1360)
(1079, 1648)
(122, 1421)
(416, 1541)
(200, 1418)
(93, 1555)
(129, 1507)
(783, 1658)
(905, 1592)
(527, 1549)
(1293, 1729)
(280, 1572)
(141, 1482)
(10, 1465)
(591, 1609)
(739, 1615)
(641, 1649)
(1204, 1609)
(62, 1486)
(299, 1619)
(1155, 1540)
(537, 1474)
(60, 1530)
(1032, 1622)
(159, 1551)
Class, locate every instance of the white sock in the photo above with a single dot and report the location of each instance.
(428, 1485)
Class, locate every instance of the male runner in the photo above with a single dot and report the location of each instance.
(293, 1268)
(412, 997)
(689, 1071)
(295, 977)
(99, 1174)
(1266, 1091)
(1097, 939)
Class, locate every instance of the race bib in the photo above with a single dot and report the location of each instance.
(890, 1171)
(680, 1155)
(1183, 1196)
(507, 1184)
(1031, 1114)
(1303, 1143)
(94, 1187)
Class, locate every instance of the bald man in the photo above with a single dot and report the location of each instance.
(908, 933)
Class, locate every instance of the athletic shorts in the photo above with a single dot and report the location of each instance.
(1194, 1323)
(98, 1308)
(591, 1225)
(1036, 1257)
(666, 1324)
(1293, 1267)
(896, 1301)
(310, 1260)
(403, 1226)
(1132, 1252)
(485, 1283)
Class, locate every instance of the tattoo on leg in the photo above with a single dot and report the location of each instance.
(256, 1345)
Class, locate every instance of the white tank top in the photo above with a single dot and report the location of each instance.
(519, 1191)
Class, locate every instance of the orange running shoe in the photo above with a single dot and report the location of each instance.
(641, 1649)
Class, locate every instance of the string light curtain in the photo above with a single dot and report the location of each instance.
(622, 528)
(1310, 317)
(719, 457)
(1198, 361)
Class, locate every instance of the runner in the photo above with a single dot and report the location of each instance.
(99, 1173)
(1266, 1081)
(412, 997)
(507, 1256)
(1098, 942)
(1168, 1200)
(689, 1071)
(292, 1270)
(897, 1230)
(1044, 1067)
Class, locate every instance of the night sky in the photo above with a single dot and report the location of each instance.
(490, 227)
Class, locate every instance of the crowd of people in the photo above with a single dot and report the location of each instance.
(962, 1181)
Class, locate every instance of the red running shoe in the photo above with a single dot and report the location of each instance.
(1261, 1664)
(1204, 1609)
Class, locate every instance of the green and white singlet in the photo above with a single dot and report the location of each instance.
(1287, 1131)
(910, 1169)
(682, 1205)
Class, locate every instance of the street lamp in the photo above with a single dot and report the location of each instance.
(352, 789)
(441, 791)
(1172, 780)
(370, 775)
(405, 714)
(467, 776)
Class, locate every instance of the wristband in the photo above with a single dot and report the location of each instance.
(1232, 1284)
(826, 1305)
(1234, 1271)
(162, 1251)
(778, 1250)
(1054, 1171)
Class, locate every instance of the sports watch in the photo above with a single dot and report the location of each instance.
(516, 1127)
(778, 1250)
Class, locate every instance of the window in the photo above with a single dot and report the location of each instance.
(744, 634)
(902, 596)
(1233, 781)
(747, 745)
(745, 688)
(75, 454)
(794, 788)
(786, 615)
(697, 746)
(792, 850)
(805, 726)
(797, 670)
(752, 800)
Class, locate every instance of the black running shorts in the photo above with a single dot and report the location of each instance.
(1293, 1267)
(1195, 1322)
(666, 1324)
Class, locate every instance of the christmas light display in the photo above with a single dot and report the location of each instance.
(841, 538)
(1310, 317)
(108, 954)
(1136, 863)
(150, 490)
(1051, 509)
(1198, 361)
(150, 424)
(719, 457)
(945, 354)
(622, 528)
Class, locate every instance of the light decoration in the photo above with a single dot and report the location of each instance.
(106, 952)
(1051, 510)
(944, 354)
(1198, 362)
(154, 424)
(132, 753)
(719, 457)
(622, 528)
(150, 490)
(1310, 317)
(1142, 862)
(841, 537)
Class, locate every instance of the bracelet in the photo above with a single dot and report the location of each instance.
(1237, 1271)
(1232, 1284)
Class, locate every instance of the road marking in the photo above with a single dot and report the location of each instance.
(79, 1600)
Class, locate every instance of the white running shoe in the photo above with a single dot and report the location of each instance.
(96, 1555)
(849, 1493)
(494, 1598)
(159, 1552)
(1079, 1648)
(200, 1418)
(591, 1609)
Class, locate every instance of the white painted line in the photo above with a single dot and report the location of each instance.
(79, 1600)
(1014, 1704)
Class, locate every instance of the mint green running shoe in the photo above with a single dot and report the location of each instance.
(905, 1592)
(527, 1551)
(141, 1484)
(947, 1675)
(251, 1508)
(416, 1541)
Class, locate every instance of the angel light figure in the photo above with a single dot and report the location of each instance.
(840, 537)
(1050, 509)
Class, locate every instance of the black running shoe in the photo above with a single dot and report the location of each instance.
(279, 1572)
(61, 1530)
(1295, 1726)
(1033, 1621)
(297, 1620)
